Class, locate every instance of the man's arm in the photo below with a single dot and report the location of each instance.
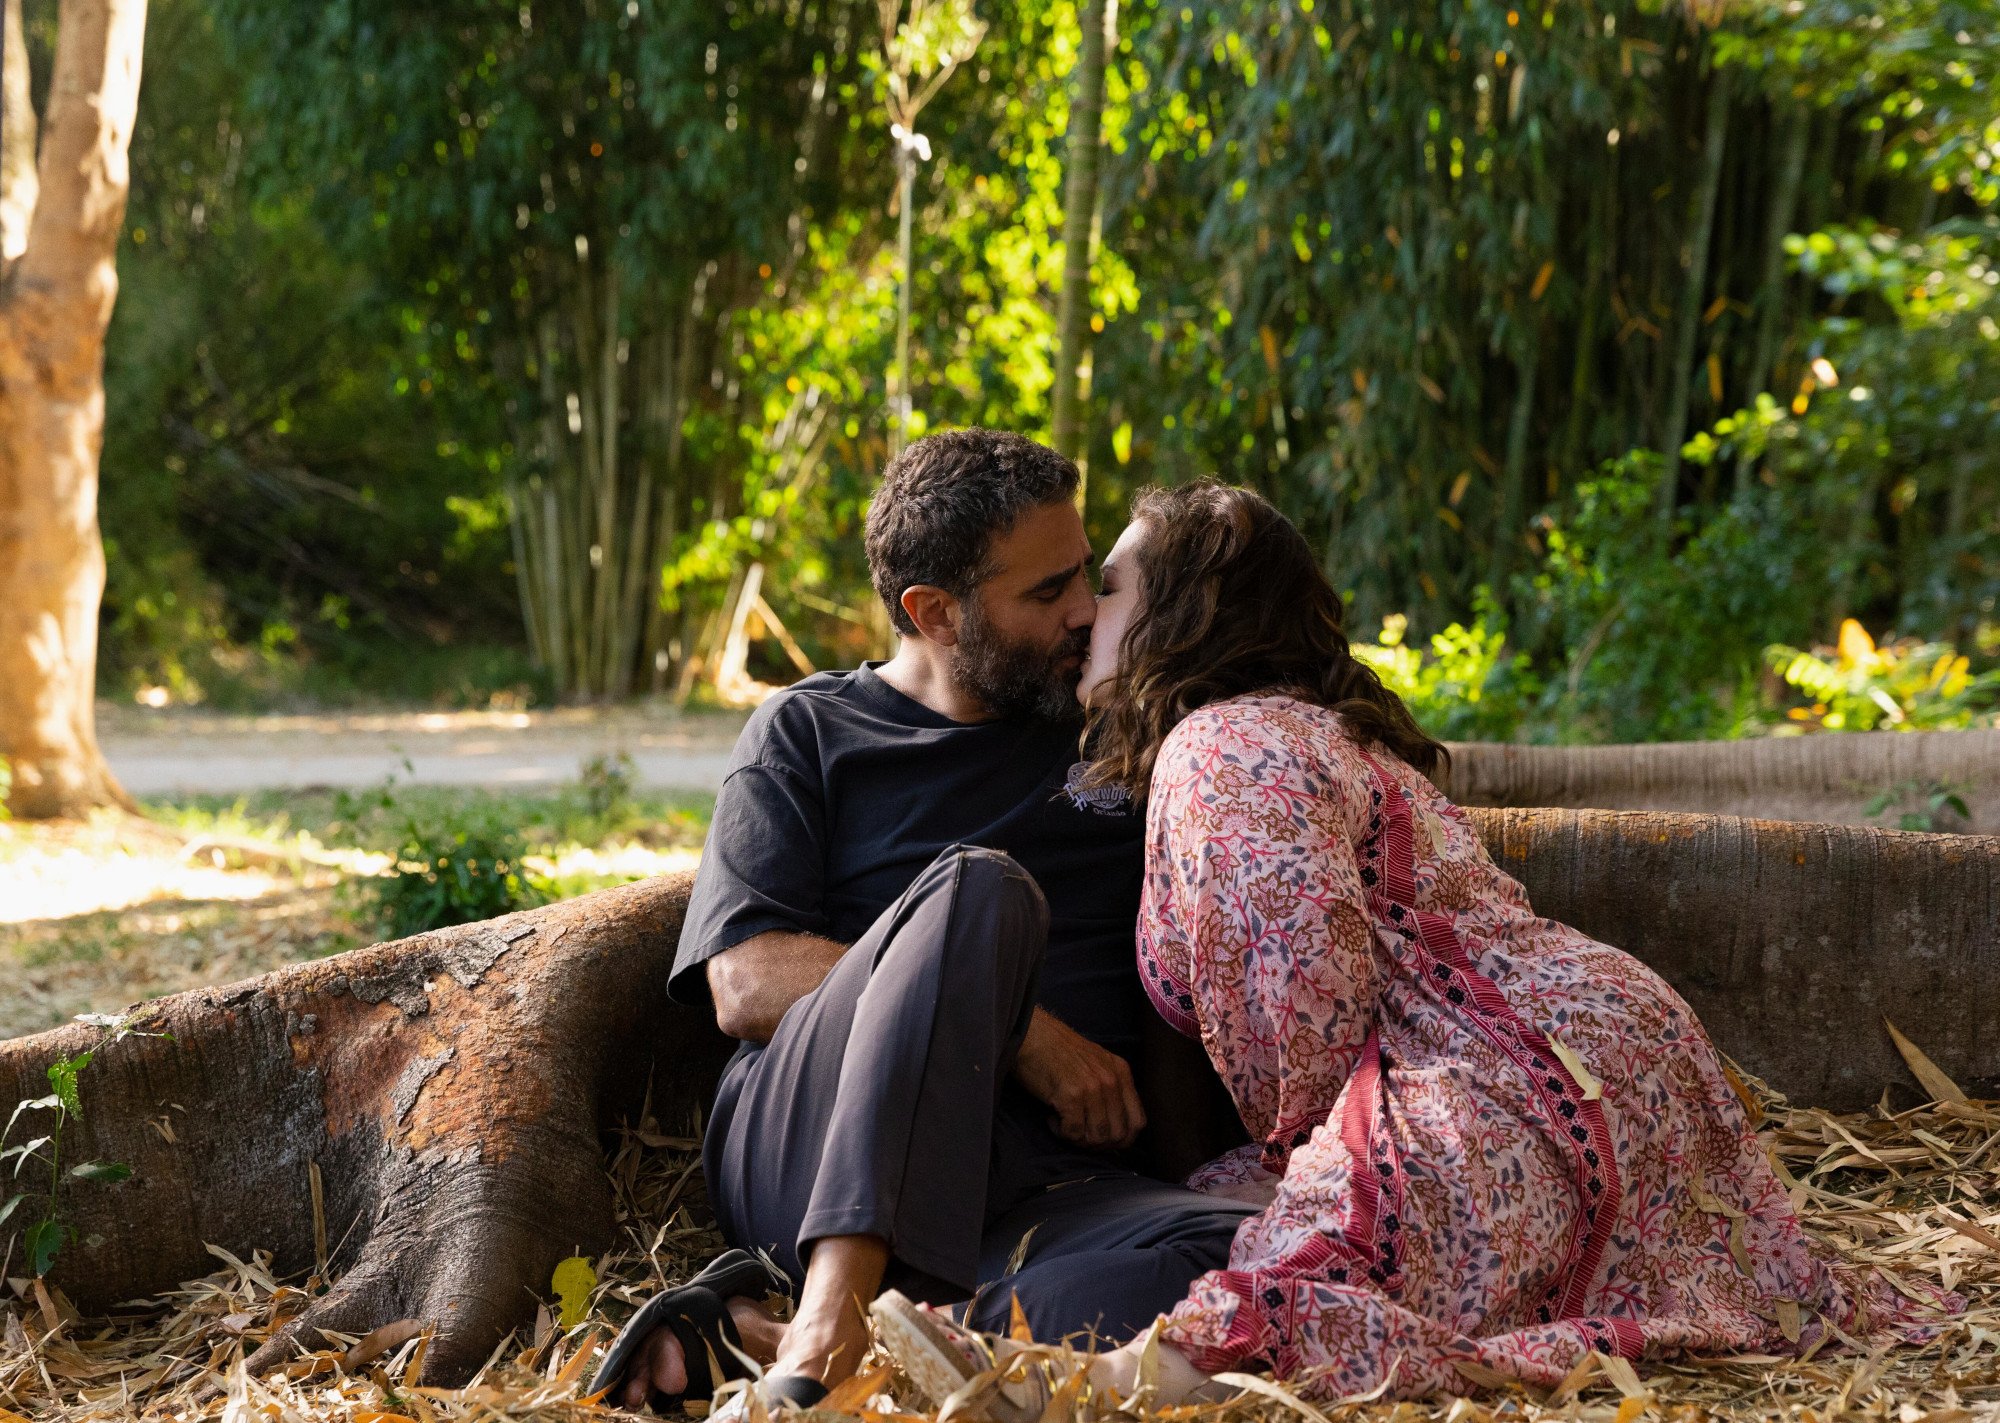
(1089, 1088)
(753, 983)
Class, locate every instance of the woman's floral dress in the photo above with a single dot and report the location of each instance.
(1488, 1139)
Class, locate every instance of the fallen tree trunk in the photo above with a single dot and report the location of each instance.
(451, 1089)
(1826, 779)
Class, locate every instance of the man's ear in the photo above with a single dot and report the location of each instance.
(934, 611)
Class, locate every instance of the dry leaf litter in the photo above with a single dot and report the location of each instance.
(1916, 1192)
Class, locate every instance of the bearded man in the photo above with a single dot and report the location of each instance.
(924, 940)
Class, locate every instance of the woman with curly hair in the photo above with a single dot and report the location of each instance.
(1486, 1144)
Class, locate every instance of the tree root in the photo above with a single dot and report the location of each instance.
(452, 1089)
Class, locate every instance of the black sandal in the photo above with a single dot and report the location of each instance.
(698, 1314)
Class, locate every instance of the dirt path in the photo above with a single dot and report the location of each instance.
(181, 752)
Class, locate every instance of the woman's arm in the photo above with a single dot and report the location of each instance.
(1253, 869)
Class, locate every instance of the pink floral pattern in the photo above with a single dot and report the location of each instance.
(1488, 1139)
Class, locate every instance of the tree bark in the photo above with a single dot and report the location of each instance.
(451, 1088)
(1824, 778)
(1079, 217)
(55, 304)
(18, 184)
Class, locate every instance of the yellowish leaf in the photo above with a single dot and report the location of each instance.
(1751, 1107)
(1541, 281)
(1788, 1320)
(573, 1281)
(1621, 1373)
(1276, 1392)
(1592, 1089)
(851, 1393)
(1934, 1078)
(1856, 646)
(1017, 1325)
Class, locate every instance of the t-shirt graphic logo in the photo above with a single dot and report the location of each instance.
(1104, 800)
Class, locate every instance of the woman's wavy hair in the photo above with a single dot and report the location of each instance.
(1232, 602)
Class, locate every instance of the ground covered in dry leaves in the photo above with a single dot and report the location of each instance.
(1915, 1191)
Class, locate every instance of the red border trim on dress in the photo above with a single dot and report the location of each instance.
(1435, 936)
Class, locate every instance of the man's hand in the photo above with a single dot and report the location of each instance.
(1089, 1087)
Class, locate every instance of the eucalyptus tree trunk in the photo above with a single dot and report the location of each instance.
(1086, 115)
(55, 303)
(1831, 778)
(1694, 283)
(18, 184)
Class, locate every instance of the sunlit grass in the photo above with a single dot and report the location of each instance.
(99, 915)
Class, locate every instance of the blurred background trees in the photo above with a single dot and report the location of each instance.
(521, 352)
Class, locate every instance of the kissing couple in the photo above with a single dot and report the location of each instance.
(951, 901)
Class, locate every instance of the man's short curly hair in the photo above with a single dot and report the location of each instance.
(944, 500)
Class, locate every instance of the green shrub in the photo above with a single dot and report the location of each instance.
(607, 783)
(1464, 685)
(1904, 685)
(455, 871)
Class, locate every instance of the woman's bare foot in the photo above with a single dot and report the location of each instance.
(1173, 1378)
(941, 1357)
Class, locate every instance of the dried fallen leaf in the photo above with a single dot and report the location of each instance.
(1934, 1079)
(1592, 1089)
(1276, 1392)
(377, 1342)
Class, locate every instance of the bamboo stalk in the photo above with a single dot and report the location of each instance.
(1796, 129)
(1694, 281)
(1079, 211)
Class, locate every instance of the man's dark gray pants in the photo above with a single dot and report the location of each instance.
(884, 1105)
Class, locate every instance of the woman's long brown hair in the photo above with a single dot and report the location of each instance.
(1232, 603)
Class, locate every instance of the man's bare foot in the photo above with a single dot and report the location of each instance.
(829, 1334)
(825, 1340)
(661, 1367)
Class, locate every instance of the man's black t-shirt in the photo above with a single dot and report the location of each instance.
(841, 790)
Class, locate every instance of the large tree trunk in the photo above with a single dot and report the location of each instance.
(451, 1088)
(1826, 778)
(55, 303)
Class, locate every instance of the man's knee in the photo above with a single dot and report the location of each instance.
(994, 880)
(995, 904)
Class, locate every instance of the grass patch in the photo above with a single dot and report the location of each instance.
(548, 822)
(212, 889)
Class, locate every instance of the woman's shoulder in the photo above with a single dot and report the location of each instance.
(1253, 731)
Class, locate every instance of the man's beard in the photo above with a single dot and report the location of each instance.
(1017, 678)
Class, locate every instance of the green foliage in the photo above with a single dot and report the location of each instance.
(1464, 685)
(606, 783)
(455, 870)
(1905, 685)
(1928, 806)
(281, 442)
(43, 1239)
(419, 297)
